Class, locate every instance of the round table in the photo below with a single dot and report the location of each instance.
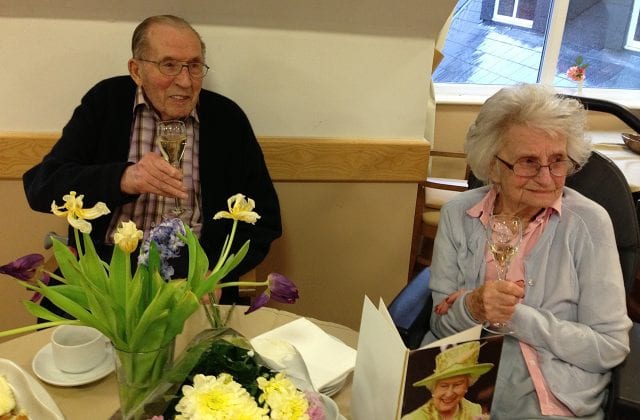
(99, 399)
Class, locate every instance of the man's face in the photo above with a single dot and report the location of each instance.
(174, 97)
(448, 392)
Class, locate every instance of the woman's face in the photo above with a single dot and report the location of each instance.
(526, 196)
(448, 392)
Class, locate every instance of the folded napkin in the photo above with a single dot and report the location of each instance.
(327, 359)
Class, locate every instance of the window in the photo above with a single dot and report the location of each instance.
(514, 12)
(492, 43)
(633, 36)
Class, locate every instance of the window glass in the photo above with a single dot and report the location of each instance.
(479, 50)
(598, 32)
(502, 42)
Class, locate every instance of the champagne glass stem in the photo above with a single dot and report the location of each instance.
(502, 271)
(177, 210)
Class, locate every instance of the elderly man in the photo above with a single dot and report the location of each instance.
(108, 153)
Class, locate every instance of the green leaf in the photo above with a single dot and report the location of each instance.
(181, 310)
(133, 307)
(41, 312)
(235, 259)
(67, 262)
(232, 262)
(75, 293)
(72, 308)
(198, 261)
(157, 309)
(119, 276)
(92, 266)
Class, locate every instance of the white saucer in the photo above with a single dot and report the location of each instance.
(45, 369)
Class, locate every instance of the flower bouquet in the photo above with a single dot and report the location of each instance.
(141, 313)
(219, 376)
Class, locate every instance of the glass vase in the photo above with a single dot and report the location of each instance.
(196, 358)
(139, 373)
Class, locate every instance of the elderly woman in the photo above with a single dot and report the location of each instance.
(565, 304)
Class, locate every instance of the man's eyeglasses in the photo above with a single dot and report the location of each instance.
(174, 67)
(531, 168)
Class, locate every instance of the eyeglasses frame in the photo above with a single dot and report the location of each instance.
(183, 64)
(571, 170)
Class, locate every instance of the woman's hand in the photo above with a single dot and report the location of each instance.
(495, 301)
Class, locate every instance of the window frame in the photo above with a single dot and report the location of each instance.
(511, 20)
(631, 43)
(473, 94)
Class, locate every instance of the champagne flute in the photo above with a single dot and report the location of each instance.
(504, 234)
(171, 137)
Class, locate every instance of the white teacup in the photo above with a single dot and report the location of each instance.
(77, 348)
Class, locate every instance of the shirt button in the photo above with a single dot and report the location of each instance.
(530, 282)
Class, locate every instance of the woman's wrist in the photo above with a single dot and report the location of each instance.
(474, 306)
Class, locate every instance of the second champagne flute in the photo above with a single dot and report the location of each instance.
(504, 234)
(171, 137)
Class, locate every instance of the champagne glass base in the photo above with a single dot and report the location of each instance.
(499, 328)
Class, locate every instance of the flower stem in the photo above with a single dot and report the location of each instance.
(243, 283)
(34, 327)
(212, 312)
(227, 248)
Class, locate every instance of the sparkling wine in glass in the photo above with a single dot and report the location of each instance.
(171, 137)
(504, 234)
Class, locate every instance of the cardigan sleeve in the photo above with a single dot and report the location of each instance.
(91, 154)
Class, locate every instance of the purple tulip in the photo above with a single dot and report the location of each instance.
(24, 268)
(280, 288)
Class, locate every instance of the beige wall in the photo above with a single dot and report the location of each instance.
(23, 233)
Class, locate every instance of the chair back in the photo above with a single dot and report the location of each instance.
(603, 182)
(411, 309)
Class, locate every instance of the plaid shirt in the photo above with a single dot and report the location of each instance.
(148, 209)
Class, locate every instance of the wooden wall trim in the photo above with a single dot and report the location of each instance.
(290, 159)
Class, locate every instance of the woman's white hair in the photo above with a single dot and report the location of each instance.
(531, 105)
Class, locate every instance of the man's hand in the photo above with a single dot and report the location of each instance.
(495, 301)
(153, 174)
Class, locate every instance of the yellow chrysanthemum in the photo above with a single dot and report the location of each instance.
(239, 209)
(282, 397)
(127, 236)
(216, 398)
(75, 214)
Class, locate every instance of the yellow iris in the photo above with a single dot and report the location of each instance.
(75, 214)
(239, 209)
(127, 236)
